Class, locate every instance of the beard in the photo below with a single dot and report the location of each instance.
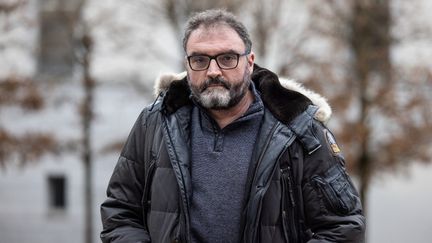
(223, 96)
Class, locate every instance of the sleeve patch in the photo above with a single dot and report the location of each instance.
(331, 141)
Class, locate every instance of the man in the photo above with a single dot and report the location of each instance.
(229, 153)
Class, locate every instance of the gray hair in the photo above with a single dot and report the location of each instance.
(212, 17)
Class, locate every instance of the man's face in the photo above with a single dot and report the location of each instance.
(217, 88)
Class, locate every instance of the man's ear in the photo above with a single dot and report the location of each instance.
(251, 61)
(186, 63)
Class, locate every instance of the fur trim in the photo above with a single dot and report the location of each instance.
(284, 104)
(163, 82)
(269, 85)
(324, 110)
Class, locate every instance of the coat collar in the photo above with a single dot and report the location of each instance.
(285, 98)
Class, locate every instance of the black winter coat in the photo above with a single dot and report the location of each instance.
(298, 189)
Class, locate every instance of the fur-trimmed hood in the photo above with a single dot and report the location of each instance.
(285, 98)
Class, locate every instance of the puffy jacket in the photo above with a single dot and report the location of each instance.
(298, 189)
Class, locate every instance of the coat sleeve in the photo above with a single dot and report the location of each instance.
(332, 207)
(121, 212)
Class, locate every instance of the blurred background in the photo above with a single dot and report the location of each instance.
(75, 74)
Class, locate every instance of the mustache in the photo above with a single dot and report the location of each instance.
(214, 81)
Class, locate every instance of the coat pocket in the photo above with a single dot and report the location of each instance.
(337, 191)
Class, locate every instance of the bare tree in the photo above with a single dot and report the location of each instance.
(177, 12)
(84, 47)
(87, 118)
(370, 42)
(266, 18)
(381, 123)
(26, 94)
(32, 145)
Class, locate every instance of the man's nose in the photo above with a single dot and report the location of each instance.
(213, 69)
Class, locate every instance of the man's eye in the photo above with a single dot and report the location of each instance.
(198, 59)
(227, 58)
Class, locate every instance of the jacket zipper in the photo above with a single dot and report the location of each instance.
(181, 234)
(268, 140)
(274, 128)
(184, 235)
(288, 208)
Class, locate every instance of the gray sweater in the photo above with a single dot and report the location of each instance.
(219, 168)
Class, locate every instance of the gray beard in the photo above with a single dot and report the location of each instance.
(221, 97)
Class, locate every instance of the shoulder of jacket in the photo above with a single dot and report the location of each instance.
(150, 112)
(306, 128)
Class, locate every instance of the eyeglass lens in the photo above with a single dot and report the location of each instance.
(224, 61)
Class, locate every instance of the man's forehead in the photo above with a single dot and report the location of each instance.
(218, 35)
(213, 29)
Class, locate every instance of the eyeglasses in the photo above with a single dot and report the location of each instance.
(224, 61)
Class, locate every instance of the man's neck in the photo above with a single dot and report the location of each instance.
(226, 116)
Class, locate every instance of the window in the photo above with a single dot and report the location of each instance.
(56, 57)
(57, 192)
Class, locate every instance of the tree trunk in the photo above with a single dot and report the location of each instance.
(370, 42)
(87, 116)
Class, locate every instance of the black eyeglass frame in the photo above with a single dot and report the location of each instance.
(215, 58)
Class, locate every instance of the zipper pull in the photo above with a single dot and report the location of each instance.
(286, 175)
